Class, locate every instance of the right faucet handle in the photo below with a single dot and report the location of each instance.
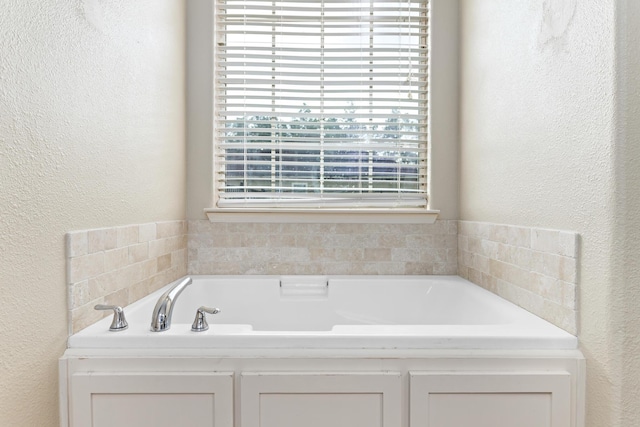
(200, 323)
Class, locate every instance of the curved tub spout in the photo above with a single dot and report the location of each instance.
(161, 317)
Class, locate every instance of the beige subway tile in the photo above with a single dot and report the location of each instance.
(523, 258)
(79, 294)
(489, 248)
(110, 238)
(84, 316)
(463, 271)
(95, 240)
(127, 235)
(506, 253)
(139, 290)
(322, 254)
(452, 256)
(415, 241)
(545, 240)
(498, 269)
(115, 259)
(568, 295)
(164, 262)
(402, 255)
(157, 248)
(484, 230)
(547, 287)
(465, 258)
(412, 268)
(466, 228)
(481, 263)
(138, 252)
(560, 316)
(568, 269)
(475, 245)
(383, 254)
(106, 283)
(226, 241)
(475, 276)
(169, 229)
(147, 232)
(86, 266)
(119, 297)
(463, 242)
(519, 236)
(528, 300)
(131, 274)
(568, 244)
(77, 243)
(176, 242)
(149, 268)
(489, 282)
(500, 233)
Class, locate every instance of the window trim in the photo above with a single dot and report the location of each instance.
(320, 214)
(334, 216)
(444, 81)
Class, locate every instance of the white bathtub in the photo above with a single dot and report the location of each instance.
(334, 312)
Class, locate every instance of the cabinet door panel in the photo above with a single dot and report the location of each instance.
(150, 399)
(456, 399)
(320, 400)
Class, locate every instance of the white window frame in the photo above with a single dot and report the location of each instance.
(350, 214)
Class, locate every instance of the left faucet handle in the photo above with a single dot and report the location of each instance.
(119, 323)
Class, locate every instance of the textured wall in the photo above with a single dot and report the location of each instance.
(543, 145)
(627, 311)
(91, 135)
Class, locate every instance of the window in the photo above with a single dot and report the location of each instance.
(321, 104)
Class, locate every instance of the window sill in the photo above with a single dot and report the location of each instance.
(325, 216)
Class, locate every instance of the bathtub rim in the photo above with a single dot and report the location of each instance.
(97, 336)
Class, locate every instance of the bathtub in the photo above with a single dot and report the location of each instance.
(390, 351)
(333, 312)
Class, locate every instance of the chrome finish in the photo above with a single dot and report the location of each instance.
(161, 317)
(200, 323)
(119, 323)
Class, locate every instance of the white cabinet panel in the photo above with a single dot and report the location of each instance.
(320, 400)
(467, 399)
(198, 399)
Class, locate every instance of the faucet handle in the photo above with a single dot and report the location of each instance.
(119, 323)
(200, 323)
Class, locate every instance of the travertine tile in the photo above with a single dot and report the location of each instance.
(545, 241)
(169, 229)
(116, 258)
(138, 252)
(127, 235)
(146, 232)
(86, 266)
(77, 243)
(117, 264)
(534, 268)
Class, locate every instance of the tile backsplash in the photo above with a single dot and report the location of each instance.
(534, 268)
(264, 248)
(120, 265)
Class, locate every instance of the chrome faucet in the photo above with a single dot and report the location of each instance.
(161, 317)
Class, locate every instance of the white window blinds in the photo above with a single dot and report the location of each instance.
(321, 103)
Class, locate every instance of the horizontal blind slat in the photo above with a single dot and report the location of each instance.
(321, 104)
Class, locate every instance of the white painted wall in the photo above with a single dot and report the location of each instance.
(549, 138)
(92, 134)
